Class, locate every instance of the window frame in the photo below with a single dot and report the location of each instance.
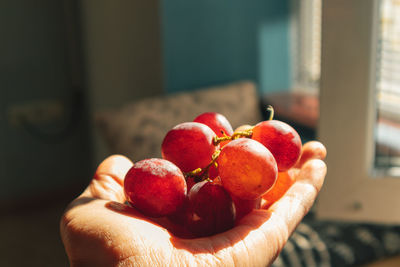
(352, 191)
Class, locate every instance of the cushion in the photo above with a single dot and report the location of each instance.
(137, 129)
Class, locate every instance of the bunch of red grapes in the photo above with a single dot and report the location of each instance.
(211, 176)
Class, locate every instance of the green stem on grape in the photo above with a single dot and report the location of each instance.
(194, 172)
(203, 173)
(214, 157)
(234, 136)
(270, 110)
(218, 140)
(239, 134)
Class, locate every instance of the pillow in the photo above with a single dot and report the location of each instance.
(137, 129)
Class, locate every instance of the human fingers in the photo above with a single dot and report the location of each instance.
(299, 198)
(107, 182)
(311, 150)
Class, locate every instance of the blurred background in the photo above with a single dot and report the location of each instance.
(70, 70)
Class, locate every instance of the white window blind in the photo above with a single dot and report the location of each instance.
(388, 80)
(306, 45)
(387, 135)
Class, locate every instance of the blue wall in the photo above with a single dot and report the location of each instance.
(208, 42)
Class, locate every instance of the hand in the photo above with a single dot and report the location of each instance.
(97, 229)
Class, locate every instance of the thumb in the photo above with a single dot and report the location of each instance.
(108, 180)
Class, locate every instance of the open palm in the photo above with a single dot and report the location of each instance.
(98, 229)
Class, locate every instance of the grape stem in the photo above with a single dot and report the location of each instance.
(203, 173)
(270, 110)
(234, 136)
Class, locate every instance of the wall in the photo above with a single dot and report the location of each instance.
(35, 67)
(122, 55)
(209, 42)
(122, 50)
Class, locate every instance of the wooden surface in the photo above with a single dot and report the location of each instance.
(301, 108)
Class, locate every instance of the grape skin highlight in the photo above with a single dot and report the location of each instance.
(281, 139)
(189, 145)
(217, 122)
(156, 187)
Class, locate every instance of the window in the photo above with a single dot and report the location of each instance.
(387, 151)
(359, 80)
(306, 45)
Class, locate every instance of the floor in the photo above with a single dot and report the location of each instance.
(31, 237)
(391, 262)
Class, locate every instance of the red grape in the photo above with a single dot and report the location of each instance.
(156, 187)
(244, 127)
(190, 182)
(283, 182)
(189, 145)
(245, 206)
(217, 122)
(247, 168)
(212, 172)
(181, 216)
(211, 209)
(281, 139)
